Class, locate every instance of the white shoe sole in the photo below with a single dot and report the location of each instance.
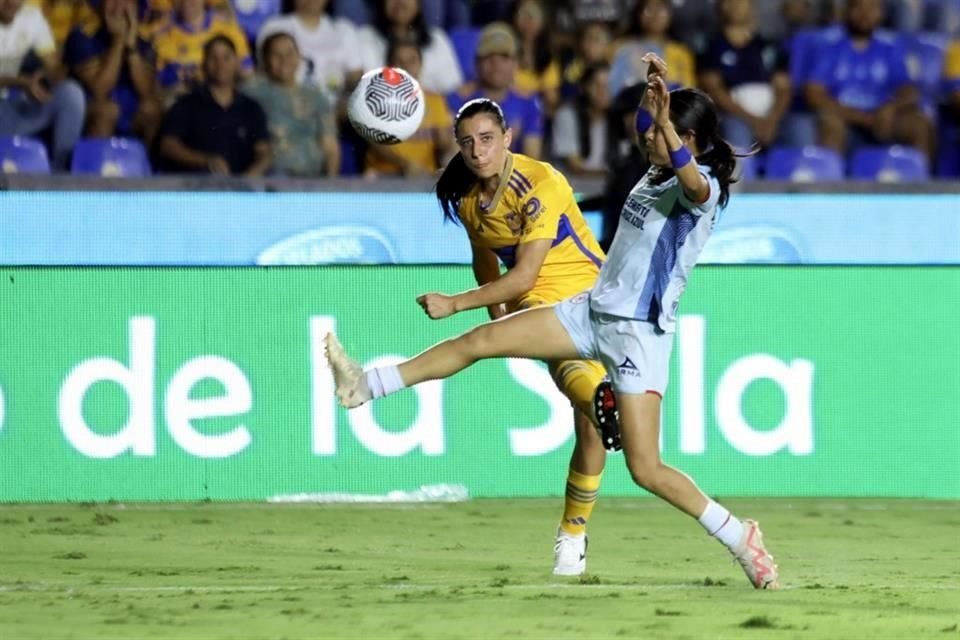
(346, 373)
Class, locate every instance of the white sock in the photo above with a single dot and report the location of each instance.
(721, 524)
(383, 381)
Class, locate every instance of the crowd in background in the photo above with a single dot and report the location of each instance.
(254, 88)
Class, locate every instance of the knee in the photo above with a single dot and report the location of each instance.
(69, 95)
(645, 471)
(477, 343)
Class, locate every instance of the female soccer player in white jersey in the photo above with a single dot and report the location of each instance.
(627, 320)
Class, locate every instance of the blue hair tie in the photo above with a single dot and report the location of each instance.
(643, 120)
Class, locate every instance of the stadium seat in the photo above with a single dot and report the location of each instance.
(23, 155)
(464, 41)
(111, 157)
(804, 164)
(889, 164)
(251, 14)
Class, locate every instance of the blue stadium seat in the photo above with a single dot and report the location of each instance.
(889, 164)
(804, 164)
(925, 60)
(111, 157)
(464, 41)
(23, 155)
(251, 14)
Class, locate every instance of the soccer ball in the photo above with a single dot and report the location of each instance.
(387, 106)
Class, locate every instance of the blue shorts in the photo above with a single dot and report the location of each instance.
(636, 354)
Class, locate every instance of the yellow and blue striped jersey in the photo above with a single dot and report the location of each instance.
(535, 202)
(179, 49)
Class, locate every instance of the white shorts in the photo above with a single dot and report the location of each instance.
(636, 354)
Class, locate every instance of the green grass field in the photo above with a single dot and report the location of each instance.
(481, 569)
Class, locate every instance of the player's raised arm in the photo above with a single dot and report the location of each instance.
(692, 181)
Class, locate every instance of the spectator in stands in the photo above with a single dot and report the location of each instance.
(116, 67)
(179, 43)
(496, 68)
(538, 74)
(580, 127)
(950, 125)
(157, 12)
(215, 128)
(694, 22)
(301, 119)
(64, 15)
(860, 88)
(432, 145)
(34, 96)
(747, 76)
(326, 44)
(648, 32)
(593, 48)
(572, 17)
(404, 19)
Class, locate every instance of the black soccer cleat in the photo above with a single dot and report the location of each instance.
(607, 417)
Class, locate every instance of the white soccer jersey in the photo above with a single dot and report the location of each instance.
(658, 240)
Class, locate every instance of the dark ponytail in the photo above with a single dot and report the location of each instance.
(457, 179)
(691, 110)
(454, 183)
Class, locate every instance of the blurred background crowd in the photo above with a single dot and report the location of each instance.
(809, 89)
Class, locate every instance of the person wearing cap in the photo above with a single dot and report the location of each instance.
(538, 74)
(496, 58)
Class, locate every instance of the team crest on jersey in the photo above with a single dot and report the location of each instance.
(532, 209)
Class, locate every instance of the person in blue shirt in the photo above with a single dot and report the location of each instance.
(496, 69)
(747, 76)
(116, 68)
(860, 88)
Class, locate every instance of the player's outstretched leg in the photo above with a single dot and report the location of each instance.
(640, 430)
(536, 334)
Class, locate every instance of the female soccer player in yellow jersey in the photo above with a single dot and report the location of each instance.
(522, 213)
(627, 320)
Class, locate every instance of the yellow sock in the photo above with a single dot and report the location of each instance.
(578, 502)
(578, 380)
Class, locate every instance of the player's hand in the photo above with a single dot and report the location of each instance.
(658, 97)
(656, 67)
(437, 305)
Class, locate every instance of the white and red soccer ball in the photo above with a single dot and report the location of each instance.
(387, 106)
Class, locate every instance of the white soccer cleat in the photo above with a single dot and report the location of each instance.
(757, 563)
(569, 554)
(348, 378)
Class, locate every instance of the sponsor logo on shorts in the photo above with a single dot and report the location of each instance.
(580, 298)
(628, 368)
